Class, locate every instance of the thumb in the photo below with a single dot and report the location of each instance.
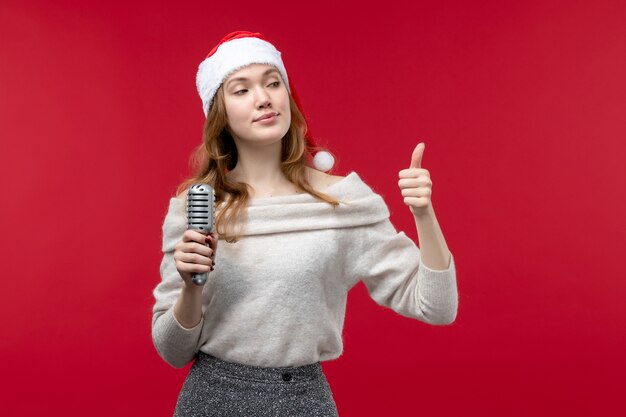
(212, 239)
(416, 158)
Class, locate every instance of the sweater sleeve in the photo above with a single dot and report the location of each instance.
(389, 265)
(176, 344)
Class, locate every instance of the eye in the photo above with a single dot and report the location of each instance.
(275, 83)
(240, 91)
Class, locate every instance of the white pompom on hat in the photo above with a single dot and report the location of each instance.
(237, 50)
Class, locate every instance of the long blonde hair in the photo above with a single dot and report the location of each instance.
(218, 154)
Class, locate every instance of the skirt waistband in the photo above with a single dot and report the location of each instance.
(258, 373)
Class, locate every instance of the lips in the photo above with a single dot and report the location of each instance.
(266, 116)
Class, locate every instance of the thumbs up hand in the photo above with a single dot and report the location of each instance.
(415, 183)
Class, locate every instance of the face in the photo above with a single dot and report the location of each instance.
(250, 93)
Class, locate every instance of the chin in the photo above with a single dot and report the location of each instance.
(265, 138)
(271, 134)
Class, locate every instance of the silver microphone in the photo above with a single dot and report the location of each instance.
(200, 215)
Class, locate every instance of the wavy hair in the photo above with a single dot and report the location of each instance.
(218, 154)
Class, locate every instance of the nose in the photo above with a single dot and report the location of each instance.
(263, 98)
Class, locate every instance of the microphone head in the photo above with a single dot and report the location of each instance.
(201, 208)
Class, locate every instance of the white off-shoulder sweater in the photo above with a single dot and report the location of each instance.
(278, 296)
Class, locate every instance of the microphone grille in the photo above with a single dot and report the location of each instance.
(201, 208)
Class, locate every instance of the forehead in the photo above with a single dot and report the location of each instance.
(252, 71)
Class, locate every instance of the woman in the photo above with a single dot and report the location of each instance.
(294, 241)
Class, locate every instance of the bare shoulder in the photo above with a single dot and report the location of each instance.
(321, 180)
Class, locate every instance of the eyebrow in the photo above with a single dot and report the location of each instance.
(269, 71)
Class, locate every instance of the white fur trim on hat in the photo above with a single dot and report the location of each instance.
(323, 161)
(231, 56)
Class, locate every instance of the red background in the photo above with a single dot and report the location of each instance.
(522, 106)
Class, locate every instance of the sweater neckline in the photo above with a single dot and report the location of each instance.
(304, 195)
(352, 176)
(358, 205)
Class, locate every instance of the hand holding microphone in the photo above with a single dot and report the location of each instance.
(194, 259)
(193, 256)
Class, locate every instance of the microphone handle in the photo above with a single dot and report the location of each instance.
(199, 279)
(200, 216)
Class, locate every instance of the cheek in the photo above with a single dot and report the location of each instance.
(234, 114)
(287, 116)
(286, 108)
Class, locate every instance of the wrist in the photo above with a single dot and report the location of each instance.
(192, 289)
(424, 212)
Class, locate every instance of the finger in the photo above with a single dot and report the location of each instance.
(416, 192)
(416, 158)
(193, 258)
(189, 267)
(415, 182)
(193, 236)
(203, 249)
(413, 173)
(212, 240)
(416, 201)
(408, 183)
(195, 247)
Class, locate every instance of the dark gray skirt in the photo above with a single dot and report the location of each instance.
(218, 388)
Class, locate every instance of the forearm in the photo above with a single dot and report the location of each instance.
(433, 249)
(188, 307)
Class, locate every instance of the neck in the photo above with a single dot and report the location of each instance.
(259, 166)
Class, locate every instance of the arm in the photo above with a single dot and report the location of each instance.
(435, 259)
(188, 307)
(434, 251)
(391, 267)
(416, 187)
(177, 313)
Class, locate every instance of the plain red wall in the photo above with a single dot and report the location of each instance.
(522, 106)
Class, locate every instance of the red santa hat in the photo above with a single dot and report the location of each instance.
(237, 50)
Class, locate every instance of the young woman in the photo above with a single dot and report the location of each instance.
(293, 241)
